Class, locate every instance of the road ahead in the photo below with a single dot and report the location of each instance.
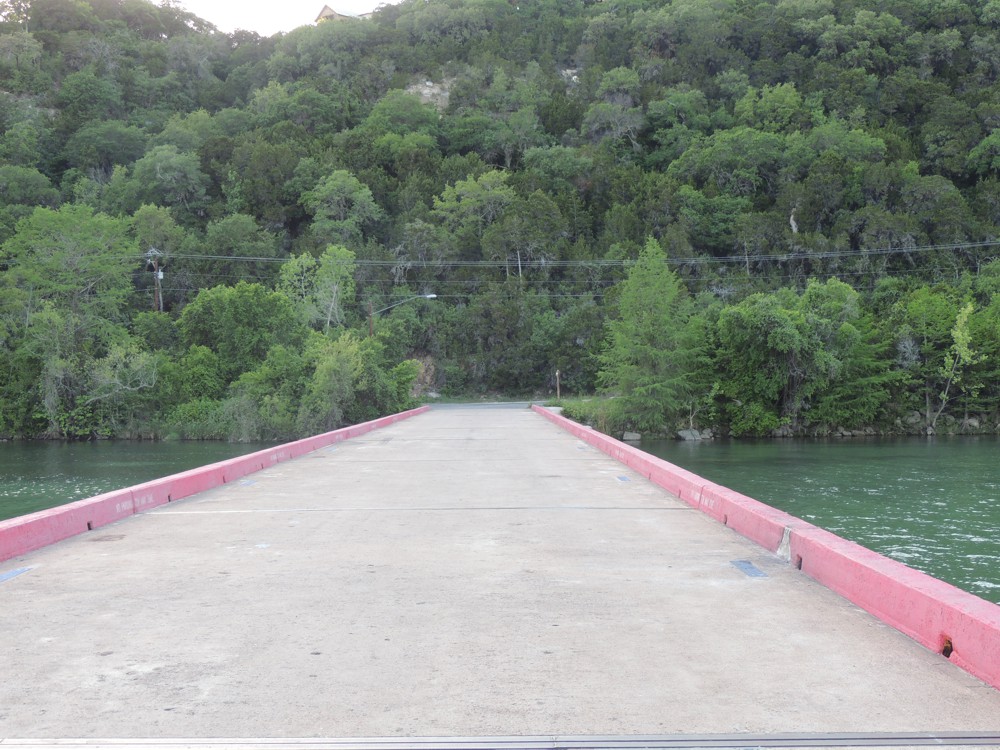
(467, 572)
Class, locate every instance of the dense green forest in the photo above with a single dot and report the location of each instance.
(761, 217)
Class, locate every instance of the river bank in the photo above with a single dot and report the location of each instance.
(600, 414)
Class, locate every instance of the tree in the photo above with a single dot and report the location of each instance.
(330, 387)
(159, 239)
(195, 375)
(469, 206)
(264, 402)
(154, 227)
(760, 347)
(16, 12)
(851, 379)
(342, 208)
(802, 360)
(925, 322)
(21, 145)
(531, 230)
(236, 248)
(377, 388)
(614, 122)
(615, 115)
(982, 378)
(401, 113)
(240, 324)
(681, 105)
(558, 168)
(72, 258)
(84, 96)
(959, 357)
(188, 132)
(984, 158)
(421, 253)
(19, 50)
(491, 343)
(737, 162)
(171, 178)
(775, 109)
(22, 189)
(62, 298)
(121, 389)
(648, 360)
(57, 346)
(711, 221)
(99, 146)
(320, 287)
(258, 173)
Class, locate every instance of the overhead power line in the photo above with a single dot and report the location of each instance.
(617, 263)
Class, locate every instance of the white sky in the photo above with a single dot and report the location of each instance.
(269, 17)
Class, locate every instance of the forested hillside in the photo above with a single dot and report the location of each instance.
(754, 216)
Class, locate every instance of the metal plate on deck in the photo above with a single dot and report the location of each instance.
(749, 568)
(6, 576)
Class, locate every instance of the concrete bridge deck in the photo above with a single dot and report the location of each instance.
(464, 573)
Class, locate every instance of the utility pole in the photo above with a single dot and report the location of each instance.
(153, 261)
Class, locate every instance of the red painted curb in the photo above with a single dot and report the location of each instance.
(26, 533)
(751, 518)
(23, 534)
(941, 617)
(936, 614)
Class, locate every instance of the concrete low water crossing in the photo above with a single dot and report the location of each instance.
(932, 503)
(473, 573)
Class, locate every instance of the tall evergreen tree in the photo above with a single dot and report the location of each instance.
(649, 360)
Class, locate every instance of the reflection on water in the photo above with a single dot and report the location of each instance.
(932, 504)
(39, 475)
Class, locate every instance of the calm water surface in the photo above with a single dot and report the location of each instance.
(38, 475)
(932, 504)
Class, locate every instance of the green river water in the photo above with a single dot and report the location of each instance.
(42, 474)
(933, 504)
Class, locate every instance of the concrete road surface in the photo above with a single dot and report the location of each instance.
(465, 573)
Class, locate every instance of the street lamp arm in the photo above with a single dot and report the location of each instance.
(408, 299)
(373, 313)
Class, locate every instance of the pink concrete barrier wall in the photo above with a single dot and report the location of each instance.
(21, 535)
(941, 617)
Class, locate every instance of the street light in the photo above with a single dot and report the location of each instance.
(373, 313)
